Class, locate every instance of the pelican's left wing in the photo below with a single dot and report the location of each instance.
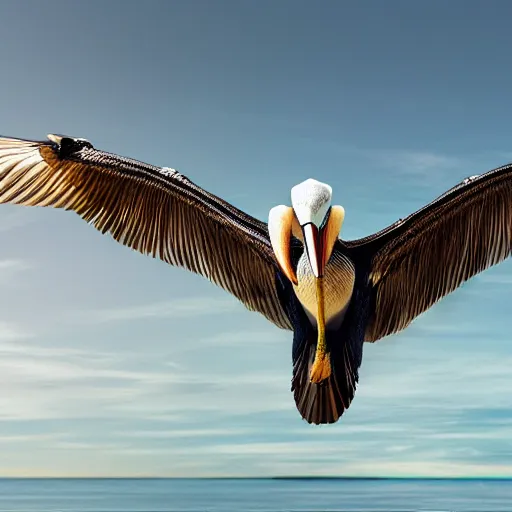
(418, 260)
(154, 210)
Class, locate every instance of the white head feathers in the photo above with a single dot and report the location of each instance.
(311, 200)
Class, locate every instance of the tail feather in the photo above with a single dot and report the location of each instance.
(326, 401)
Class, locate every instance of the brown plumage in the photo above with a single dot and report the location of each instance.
(389, 278)
(152, 210)
(422, 258)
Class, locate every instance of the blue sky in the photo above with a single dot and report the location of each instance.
(112, 363)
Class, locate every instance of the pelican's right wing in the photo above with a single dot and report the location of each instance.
(418, 260)
(154, 210)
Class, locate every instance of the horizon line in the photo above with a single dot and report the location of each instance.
(291, 477)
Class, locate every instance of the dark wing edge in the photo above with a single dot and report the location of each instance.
(155, 211)
(417, 261)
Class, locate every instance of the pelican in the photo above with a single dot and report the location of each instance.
(296, 271)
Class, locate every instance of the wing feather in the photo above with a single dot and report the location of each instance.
(418, 260)
(156, 211)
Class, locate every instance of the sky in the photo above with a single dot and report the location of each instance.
(116, 364)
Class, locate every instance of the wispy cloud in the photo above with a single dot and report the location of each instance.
(236, 338)
(422, 163)
(178, 308)
(10, 266)
(10, 270)
(433, 381)
(428, 167)
(180, 433)
(10, 331)
(44, 382)
(33, 438)
(16, 217)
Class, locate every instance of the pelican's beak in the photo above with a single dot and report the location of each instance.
(319, 243)
(315, 248)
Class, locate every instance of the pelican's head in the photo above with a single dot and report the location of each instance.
(313, 220)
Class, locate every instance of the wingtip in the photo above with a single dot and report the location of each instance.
(55, 138)
(67, 144)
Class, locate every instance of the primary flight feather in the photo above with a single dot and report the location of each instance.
(333, 294)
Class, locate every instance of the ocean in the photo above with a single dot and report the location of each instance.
(258, 495)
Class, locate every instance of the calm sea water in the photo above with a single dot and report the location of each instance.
(20, 495)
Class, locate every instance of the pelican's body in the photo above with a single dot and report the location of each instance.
(296, 271)
(339, 285)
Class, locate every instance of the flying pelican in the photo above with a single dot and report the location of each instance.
(333, 294)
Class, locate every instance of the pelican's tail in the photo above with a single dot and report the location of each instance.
(326, 401)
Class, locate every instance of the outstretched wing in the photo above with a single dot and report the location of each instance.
(418, 260)
(156, 211)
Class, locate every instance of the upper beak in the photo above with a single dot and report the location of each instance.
(314, 243)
